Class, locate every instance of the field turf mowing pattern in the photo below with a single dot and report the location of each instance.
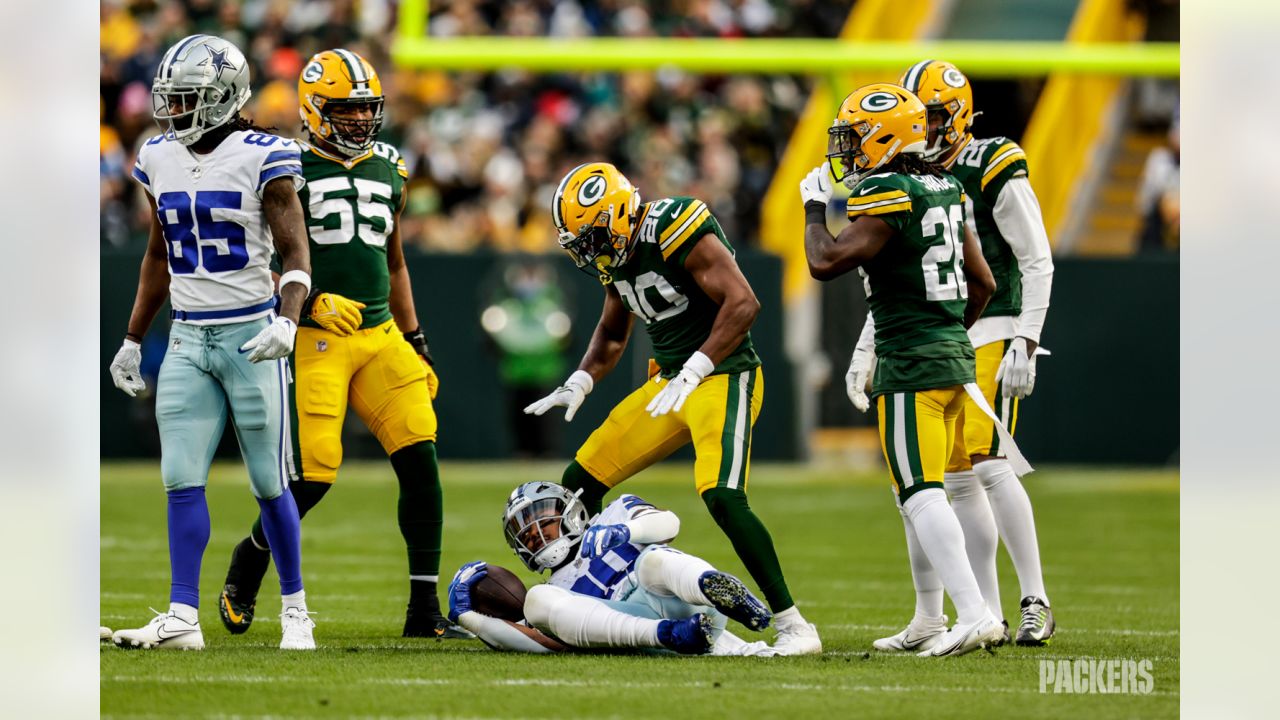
(1109, 540)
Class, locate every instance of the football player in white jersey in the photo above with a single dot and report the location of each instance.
(614, 583)
(222, 194)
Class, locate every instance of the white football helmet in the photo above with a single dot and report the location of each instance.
(543, 523)
(202, 82)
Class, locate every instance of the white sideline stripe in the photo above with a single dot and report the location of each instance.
(578, 683)
(1087, 631)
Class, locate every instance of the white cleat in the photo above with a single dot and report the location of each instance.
(800, 638)
(917, 637)
(295, 629)
(104, 633)
(166, 631)
(960, 639)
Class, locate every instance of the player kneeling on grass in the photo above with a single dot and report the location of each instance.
(614, 583)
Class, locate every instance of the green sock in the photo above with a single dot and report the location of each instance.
(751, 540)
(421, 507)
(593, 491)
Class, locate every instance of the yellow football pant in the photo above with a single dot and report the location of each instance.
(381, 376)
(717, 417)
(975, 432)
(917, 431)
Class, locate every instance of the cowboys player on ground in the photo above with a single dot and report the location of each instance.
(614, 582)
(668, 262)
(223, 195)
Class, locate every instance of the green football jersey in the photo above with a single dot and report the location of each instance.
(654, 285)
(350, 210)
(984, 167)
(915, 284)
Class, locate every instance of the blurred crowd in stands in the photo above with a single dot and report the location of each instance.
(485, 151)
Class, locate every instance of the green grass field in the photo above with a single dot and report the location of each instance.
(1109, 541)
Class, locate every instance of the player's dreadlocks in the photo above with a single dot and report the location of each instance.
(243, 123)
(913, 164)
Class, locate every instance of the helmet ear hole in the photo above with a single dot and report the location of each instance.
(885, 140)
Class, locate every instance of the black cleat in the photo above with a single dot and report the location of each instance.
(236, 614)
(730, 596)
(432, 625)
(240, 589)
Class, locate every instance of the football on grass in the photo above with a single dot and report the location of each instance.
(499, 594)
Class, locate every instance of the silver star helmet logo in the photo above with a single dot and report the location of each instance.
(218, 61)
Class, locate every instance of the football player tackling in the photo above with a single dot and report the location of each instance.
(668, 262)
(1003, 212)
(221, 192)
(376, 360)
(614, 582)
(926, 282)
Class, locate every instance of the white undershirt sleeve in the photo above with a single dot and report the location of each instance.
(499, 634)
(1017, 215)
(650, 525)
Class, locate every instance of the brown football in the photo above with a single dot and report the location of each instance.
(499, 594)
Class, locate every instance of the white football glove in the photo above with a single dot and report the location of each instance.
(125, 372)
(1017, 370)
(272, 342)
(861, 365)
(680, 387)
(569, 396)
(816, 185)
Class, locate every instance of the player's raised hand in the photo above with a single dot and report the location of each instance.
(816, 186)
(125, 368)
(1017, 370)
(680, 387)
(460, 587)
(272, 342)
(335, 313)
(569, 395)
(855, 380)
(599, 539)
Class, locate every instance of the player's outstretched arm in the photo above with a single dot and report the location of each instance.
(502, 634)
(283, 210)
(981, 283)
(607, 343)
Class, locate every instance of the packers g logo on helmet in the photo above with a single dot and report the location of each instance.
(878, 101)
(946, 93)
(875, 124)
(340, 101)
(593, 210)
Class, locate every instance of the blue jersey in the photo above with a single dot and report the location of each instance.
(606, 576)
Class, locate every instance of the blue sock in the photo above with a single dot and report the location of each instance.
(188, 536)
(284, 535)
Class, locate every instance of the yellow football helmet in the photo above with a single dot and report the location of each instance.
(593, 210)
(340, 101)
(945, 92)
(875, 124)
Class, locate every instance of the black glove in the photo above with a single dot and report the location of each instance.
(418, 340)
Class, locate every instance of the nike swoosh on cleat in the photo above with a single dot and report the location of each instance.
(235, 617)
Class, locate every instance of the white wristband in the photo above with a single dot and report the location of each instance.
(582, 379)
(296, 276)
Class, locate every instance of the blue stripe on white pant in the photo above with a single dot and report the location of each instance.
(203, 376)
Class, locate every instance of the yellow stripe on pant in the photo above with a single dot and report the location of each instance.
(717, 418)
(917, 430)
(382, 378)
(975, 432)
